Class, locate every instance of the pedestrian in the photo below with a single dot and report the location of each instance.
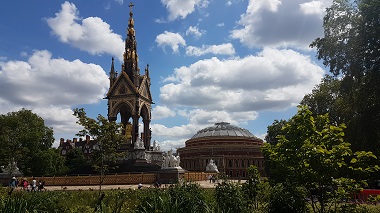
(25, 184)
(12, 185)
(34, 184)
(139, 186)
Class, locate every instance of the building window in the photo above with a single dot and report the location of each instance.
(230, 163)
(242, 163)
(63, 152)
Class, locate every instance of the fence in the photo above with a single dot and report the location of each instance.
(114, 179)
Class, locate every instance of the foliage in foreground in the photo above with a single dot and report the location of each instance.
(228, 197)
(311, 154)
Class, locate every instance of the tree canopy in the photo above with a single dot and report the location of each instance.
(25, 139)
(351, 49)
(108, 136)
(311, 152)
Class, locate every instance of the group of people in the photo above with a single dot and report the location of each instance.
(25, 185)
(212, 178)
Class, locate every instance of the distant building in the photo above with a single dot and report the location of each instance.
(233, 150)
(87, 146)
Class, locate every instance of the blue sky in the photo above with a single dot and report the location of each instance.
(238, 61)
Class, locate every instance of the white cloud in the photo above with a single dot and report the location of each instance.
(174, 137)
(220, 25)
(120, 1)
(173, 40)
(193, 30)
(285, 23)
(50, 87)
(222, 49)
(160, 112)
(273, 80)
(181, 9)
(315, 7)
(91, 34)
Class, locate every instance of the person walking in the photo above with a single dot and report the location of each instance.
(34, 184)
(12, 185)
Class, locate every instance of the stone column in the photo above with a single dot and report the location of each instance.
(135, 129)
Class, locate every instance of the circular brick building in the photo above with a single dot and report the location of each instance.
(232, 148)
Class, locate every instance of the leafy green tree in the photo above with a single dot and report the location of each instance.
(350, 48)
(327, 97)
(251, 188)
(108, 136)
(23, 135)
(75, 159)
(274, 130)
(48, 163)
(312, 153)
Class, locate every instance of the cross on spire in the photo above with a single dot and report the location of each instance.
(130, 6)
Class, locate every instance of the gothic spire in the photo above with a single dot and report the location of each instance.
(130, 54)
(113, 74)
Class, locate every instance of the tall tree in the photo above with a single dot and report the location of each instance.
(274, 130)
(351, 49)
(108, 136)
(23, 135)
(312, 153)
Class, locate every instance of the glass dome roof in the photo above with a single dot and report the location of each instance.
(223, 129)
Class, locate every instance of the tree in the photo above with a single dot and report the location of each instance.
(108, 136)
(48, 163)
(251, 188)
(75, 159)
(312, 153)
(23, 135)
(351, 49)
(274, 130)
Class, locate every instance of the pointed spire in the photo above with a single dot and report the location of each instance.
(112, 66)
(113, 75)
(147, 70)
(130, 54)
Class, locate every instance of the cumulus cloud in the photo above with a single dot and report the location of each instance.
(91, 34)
(50, 87)
(272, 80)
(181, 9)
(173, 40)
(193, 30)
(160, 112)
(285, 23)
(175, 137)
(222, 49)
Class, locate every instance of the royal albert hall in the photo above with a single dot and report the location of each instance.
(232, 148)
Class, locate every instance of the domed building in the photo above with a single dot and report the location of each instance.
(232, 148)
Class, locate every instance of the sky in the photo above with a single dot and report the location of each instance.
(238, 61)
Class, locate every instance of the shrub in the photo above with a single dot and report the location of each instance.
(287, 199)
(229, 197)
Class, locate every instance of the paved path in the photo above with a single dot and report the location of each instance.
(203, 184)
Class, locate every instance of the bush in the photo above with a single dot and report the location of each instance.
(229, 198)
(186, 197)
(287, 199)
